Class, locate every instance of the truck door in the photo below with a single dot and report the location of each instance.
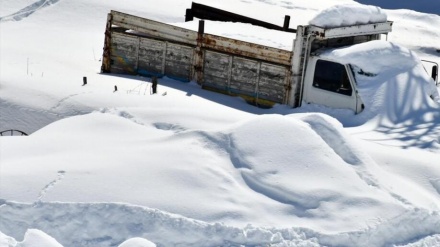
(331, 84)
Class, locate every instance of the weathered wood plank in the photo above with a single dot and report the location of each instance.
(272, 84)
(216, 66)
(216, 70)
(178, 62)
(246, 49)
(151, 55)
(244, 76)
(124, 52)
(154, 28)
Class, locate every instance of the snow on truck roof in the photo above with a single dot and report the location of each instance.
(347, 15)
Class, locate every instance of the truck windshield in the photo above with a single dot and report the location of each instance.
(333, 77)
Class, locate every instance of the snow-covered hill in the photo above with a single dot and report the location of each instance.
(196, 168)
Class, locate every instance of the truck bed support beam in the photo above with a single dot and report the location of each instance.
(210, 13)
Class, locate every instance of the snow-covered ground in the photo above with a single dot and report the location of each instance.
(196, 168)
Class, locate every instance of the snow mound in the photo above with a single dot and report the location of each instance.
(311, 171)
(312, 166)
(32, 238)
(347, 15)
(375, 57)
(137, 242)
(425, 242)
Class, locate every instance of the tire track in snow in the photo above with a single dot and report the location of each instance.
(27, 11)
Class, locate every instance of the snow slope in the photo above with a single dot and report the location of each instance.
(196, 168)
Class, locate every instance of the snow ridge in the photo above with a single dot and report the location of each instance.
(110, 224)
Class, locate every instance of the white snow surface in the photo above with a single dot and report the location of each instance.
(196, 168)
(137, 242)
(347, 15)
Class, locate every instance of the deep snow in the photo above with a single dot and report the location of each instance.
(196, 168)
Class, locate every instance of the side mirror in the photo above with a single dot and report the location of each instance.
(434, 73)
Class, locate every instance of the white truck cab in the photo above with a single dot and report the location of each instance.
(327, 82)
(332, 84)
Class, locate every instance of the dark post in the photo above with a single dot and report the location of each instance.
(116, 89)
(84, 81)
(286, 22)
(188, 15)
(154, 84)
(201, 27)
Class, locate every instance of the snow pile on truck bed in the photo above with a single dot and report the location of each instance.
(347, 15)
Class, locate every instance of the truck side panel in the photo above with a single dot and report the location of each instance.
(142, 46)
(124, 52)
(178, 62)
(217, 70)
(151, 57)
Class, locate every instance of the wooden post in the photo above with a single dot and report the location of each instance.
(286, 22)
(201, 27)
(84, 81)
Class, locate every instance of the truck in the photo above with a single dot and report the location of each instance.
(262, 75)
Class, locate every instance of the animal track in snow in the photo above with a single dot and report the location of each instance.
(49, 186)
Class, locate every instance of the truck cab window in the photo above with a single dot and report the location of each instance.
(332, 77)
